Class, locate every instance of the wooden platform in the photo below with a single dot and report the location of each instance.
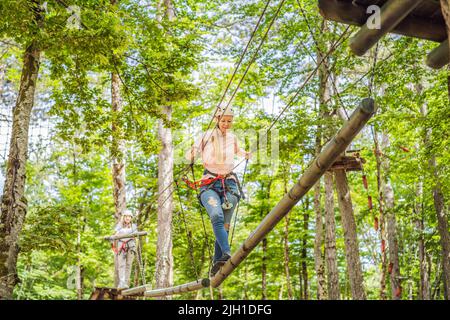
(348, 163)
(421, 19)
(424, 22)
(108, 294)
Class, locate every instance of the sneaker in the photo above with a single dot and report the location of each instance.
(215, 268)
(219, 263)
(224, 258)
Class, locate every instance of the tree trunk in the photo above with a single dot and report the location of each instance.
(350, 238)
(394, 267)
(388, 192)
(118, 163)
(439, 205)
(286, 257)
(438, 198)
(304, 256)
(264, 270)
(330, 224)
(319, 265)
(14, 204)
(424, 288)
(117, 153)
(318, 246)
(164, 262)
(330, 240)
(286, 248)
(264, 209)
(437, 282)
(381, 218)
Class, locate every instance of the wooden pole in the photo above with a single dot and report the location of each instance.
(136, 291)
(392, 13)
(130, 235)
(191, 286)
(439, 57)
(354, 14)
(319, 166)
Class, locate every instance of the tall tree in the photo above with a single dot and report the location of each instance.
(424, 287)
(164, 263)
(330, 240)
(382, 229)
(117, 153)
(388, 192)
(354, 269)
(304, 254)
(319, 264)
(286, 246)
(264, 270)
(14, 203)
(439, 206)
(330, 221)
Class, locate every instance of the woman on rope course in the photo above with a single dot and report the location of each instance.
(125, 248)
(220, 190)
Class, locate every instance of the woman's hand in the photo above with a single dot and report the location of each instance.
(248, 155)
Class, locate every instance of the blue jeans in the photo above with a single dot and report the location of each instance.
(212, 199)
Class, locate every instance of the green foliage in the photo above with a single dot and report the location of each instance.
(186, 63)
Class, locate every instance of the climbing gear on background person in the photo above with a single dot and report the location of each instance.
(124, 247)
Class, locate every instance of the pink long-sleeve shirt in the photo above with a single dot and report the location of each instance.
(217, 161)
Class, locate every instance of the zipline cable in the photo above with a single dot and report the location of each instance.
(293, 99)
(329, 71)
(188, 234)
(240, 81)
(238, 206)
(255, 29)
(252, 60)
(203, 224)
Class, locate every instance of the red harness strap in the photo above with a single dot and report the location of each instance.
(204, 182)
(123, 247)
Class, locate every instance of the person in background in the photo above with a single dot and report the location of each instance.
(125, 248)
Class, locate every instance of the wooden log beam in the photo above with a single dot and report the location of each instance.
(392, 13)
(439, 57)
(130, 235)
(136, 291)
(411, 26)
(191, 286)
(320, 165)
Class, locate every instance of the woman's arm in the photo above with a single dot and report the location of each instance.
(239, 151)
(192, 154)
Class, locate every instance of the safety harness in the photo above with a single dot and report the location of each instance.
(209, 183)
(123, 248)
